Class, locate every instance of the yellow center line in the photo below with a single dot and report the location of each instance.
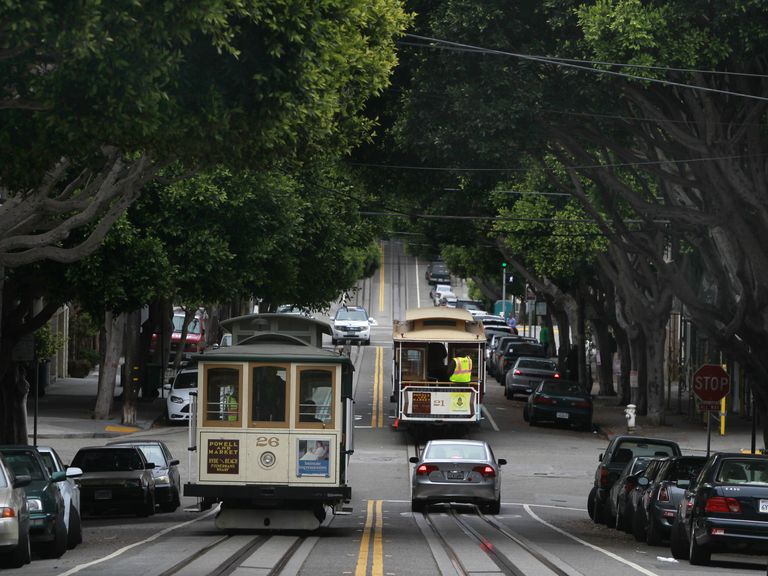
(378, 552)
(362, 556)
(381, 278)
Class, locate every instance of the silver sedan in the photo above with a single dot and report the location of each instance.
(463, 471)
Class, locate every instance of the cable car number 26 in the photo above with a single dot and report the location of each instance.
(273, 441)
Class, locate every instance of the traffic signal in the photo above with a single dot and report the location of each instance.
(503, 264)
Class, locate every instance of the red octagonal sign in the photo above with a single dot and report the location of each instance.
(711, 383)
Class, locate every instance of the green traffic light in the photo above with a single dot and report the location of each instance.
(503, 264)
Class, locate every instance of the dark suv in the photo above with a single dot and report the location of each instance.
(621, 449)
(437, 273)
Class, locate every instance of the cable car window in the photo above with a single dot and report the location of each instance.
(269, 396)
(223, 396)
(413, 364)
(316, 393)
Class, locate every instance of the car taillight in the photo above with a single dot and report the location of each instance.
(724, 505)
(518, 373)
(425, 469)
(486, 471)
(604, 477)
(544, 400)
(663, 494)
(556, 375)
(7, 512)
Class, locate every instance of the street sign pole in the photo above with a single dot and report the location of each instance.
(504, 290)
(709, 430)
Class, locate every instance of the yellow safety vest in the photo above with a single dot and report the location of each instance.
(463, 371)
(232, 409)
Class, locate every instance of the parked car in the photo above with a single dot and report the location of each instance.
(621, 449)
(15, 550)
(655, 513)
(115, 479)
(293, 310)
(619, 506)
(70, 491)
(47, 526)
(471, 306)
(457, 471)
(561, 402)
(515, 350)
(448, 299)
(437, 290)
(166, 471)
(638, 493)
(526, 373)
(178, 399)
(352, 324)
(498, 351)
(726, 509)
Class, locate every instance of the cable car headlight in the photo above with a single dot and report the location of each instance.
(267, 459)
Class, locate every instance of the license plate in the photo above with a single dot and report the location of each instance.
(763, 507)
(455, 476)
(563, 415)
(102, 494)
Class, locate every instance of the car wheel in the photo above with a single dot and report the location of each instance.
(494, 507)
(698, 555)
(75, 533)
(417, 506)
(652, 536)
(531, 419)
(610, 515)
(173, 504)
(599, 517)
(56, 547)
(638, 525)
(22, 554)
(678, 543)
(525, 412)
(591, 503)
(148, 508)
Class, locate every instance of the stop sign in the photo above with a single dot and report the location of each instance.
(711, 383)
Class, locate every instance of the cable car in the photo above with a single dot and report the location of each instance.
(272, 425)
(424, 343)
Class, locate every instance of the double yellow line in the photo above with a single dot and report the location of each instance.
(375, 521)
(377, 406)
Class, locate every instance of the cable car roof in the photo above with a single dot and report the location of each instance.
(438, 324)
(309, 330)
(273, 347)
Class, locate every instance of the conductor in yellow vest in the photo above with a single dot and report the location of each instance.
(461, 369)
(232, 407)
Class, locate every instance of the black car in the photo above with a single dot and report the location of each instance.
(618, 507)
(656, 509)
(560, 402)
(726, 509)
(620, 450)
(47, 526)
(166, 471)
(635, 520)
(115, 479)
(437, 273)
(515, 350)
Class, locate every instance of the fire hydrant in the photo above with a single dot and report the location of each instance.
(629, 414)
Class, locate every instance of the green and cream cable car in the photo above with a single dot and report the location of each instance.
(272, 425)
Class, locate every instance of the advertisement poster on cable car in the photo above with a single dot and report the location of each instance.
(313, 458)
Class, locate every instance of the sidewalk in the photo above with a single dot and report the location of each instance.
(689, 434)
(66, 411)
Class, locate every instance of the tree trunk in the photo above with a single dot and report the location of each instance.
(605, 349)
(564, 337)
(189, 315)
(625, 359)
(551, 348)
(134, 361)
(638, 365)
(655, 346)
(114, 330)
(14, 390)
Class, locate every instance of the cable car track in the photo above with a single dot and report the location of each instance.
(527, 558)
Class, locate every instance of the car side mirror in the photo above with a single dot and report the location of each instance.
(149, 466)
(372, 322)
(58, 476)
(173, 463)
(643, 481)
(501, 461)
(22, 480)
(600, 458)
(413, 459)
(74, 472)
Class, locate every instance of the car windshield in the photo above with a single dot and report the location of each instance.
(743, 472)
(536, 364)
(25, 464)
(455, 452)
(646, 449)
(185, 380)
(563, 388)
(192, 328)
(347, 314)
(108, 460)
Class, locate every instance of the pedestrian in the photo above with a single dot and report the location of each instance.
(232, 407)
